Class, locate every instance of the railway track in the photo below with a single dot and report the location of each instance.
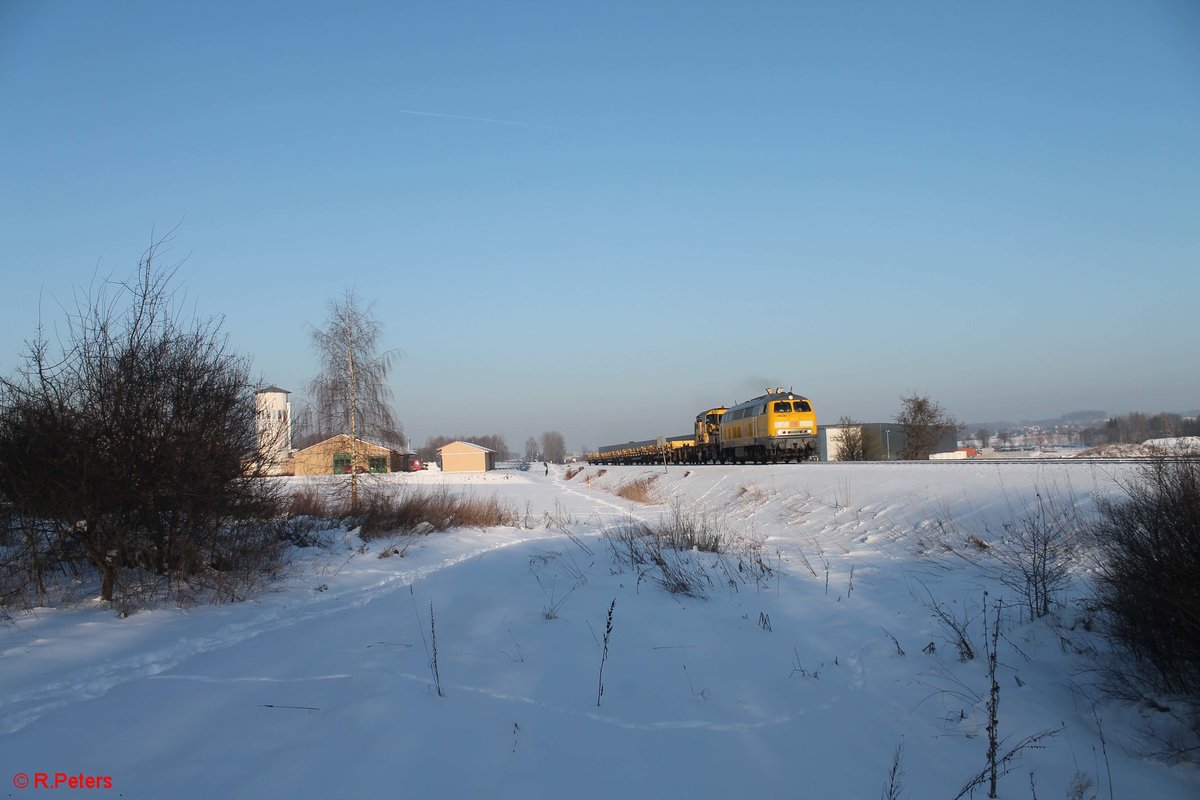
(949, 462)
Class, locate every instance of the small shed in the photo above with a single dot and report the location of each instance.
(332, 457)
(466, 457)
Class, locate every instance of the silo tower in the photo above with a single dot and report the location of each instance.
(274, 420)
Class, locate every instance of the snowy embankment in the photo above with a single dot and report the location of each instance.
(803, 684)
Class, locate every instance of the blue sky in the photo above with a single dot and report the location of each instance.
(602, 218)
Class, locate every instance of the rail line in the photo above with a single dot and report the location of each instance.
(948, 462)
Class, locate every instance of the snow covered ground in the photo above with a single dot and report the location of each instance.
(802, 685)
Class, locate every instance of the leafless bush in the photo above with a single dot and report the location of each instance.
(1035, 556)
(1151, 544)
(1039, 551)
(309, 518)
(132, 446)
(308, 502)
(572, 472)
(1150, 541)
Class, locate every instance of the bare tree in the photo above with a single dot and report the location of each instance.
(554, 447)
(852, 442)
(925, 424)
(531, 449)
(984, 436)
(350, 393)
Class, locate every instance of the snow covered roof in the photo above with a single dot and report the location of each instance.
(466, 444)
(363, 439)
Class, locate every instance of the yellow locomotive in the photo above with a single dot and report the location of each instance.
(777, 426)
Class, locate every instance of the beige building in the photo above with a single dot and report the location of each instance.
(332, 457)
(466, 457)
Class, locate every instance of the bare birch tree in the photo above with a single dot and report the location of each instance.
(351, 393)
(554, 447)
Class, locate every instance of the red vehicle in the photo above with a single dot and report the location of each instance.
(414, 464)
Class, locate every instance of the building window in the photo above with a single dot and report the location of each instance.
(377, 463)
(341, 463)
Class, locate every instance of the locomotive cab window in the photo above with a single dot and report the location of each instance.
(782, 407)
(802, 405)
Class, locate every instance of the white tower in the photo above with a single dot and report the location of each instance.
(273, 412)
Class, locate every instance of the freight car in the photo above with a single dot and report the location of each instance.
(776, 426)
(650, 451)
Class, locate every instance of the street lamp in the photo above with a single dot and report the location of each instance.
(888, 435)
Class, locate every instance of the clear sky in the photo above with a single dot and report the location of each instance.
(602, 218)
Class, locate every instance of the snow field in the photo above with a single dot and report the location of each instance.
(323, 687)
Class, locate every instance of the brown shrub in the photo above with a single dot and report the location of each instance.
(308, 502)
(383, 513)
(639, 490)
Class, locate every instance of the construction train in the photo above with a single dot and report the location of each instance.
(774, 427)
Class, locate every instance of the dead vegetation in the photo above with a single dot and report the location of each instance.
(423, 512)
(639, 490)
(689, 553)
(382, 511)
(752, 494)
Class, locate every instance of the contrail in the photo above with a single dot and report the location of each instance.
(514, 123)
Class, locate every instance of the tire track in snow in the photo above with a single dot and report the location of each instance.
(26, 706)
(593, 498)
(619, 722)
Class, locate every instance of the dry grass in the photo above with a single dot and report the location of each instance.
(752, 494)
(684, 529)
(308, 502)
(639, 490)
(386, 510)
(572, 472)
(590, 479)
(689, 552)
(384, 513)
